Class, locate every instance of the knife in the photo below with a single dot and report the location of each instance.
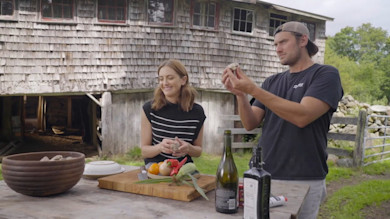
(142, 175)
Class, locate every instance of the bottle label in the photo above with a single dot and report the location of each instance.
(225, 199)
(250, 196)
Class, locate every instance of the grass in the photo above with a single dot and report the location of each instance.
(335, 173)
(208, 164)
(350, 200)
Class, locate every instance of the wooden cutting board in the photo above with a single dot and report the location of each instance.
(125, 182)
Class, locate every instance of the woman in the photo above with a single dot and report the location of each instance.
(171, 123)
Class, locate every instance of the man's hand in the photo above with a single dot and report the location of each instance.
(226, 81)
(239, 83)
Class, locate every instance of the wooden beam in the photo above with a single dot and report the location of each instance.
(69, 118)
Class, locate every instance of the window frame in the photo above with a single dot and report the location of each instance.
(57, 19)
(15, 13)
(271, 32)
(125, 7)
(313, 34)
(172, 23)
(216, 14)
(253, 20)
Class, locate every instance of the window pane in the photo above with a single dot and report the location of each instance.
(112, 10)
(160, 11)
(67, 12)
(46, 11)
(248, 27)
(7, 7)
(236, 13)
(236, 25)
(101, 13)
(120, 15)
(275, 21)
(196, 21)
(212, 9)
(243, 20)
(197, 8)
(120, 3)
(243, 15)
(57, 12)
(211, 22)
(242, 26)
(57, 9)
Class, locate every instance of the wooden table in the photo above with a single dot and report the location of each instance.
(86, 200)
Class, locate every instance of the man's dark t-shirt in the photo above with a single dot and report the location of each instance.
(290, 152)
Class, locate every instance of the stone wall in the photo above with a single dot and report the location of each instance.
(350, 107)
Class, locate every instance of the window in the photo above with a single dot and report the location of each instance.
(112, 11)
(7, 7)
(204, 14)
(243, 20)
(275, 21)
(312, 30)
(57, 9)
(160, 11)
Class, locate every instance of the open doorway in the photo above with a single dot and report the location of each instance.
(49, 123)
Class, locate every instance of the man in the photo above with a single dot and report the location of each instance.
(296, 107)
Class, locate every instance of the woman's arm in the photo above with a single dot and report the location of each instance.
(147, 149)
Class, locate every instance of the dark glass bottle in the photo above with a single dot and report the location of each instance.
(257, 188)
(226, 192)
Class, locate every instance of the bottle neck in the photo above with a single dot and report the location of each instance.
(228, 145)
(258, 159)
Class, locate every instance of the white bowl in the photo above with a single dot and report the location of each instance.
(97, 169)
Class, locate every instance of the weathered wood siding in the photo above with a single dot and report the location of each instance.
(39, 57)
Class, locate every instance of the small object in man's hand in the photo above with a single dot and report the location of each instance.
(233, 66)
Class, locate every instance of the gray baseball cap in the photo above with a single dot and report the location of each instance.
(300, 28)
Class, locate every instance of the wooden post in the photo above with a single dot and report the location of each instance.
(69, 117)
(359, 140)
(107, 142)
(93, 124)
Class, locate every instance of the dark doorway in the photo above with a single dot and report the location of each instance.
(48, 123)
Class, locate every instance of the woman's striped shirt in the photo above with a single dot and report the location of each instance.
(171, 121)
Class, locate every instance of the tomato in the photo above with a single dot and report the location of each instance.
(154, 169)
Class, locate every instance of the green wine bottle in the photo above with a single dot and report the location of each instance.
(257, 188)
(226, 192)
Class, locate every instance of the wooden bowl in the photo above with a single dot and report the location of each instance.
(26, 174)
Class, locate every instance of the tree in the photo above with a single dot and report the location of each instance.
(363, 59)
(366, 43)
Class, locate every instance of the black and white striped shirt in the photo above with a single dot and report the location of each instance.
(171, 121)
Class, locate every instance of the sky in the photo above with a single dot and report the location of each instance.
(351, 13)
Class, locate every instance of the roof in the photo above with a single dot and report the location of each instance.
(287, 9)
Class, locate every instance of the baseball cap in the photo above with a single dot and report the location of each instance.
(298, 27)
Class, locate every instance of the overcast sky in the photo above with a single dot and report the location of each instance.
(351, 13)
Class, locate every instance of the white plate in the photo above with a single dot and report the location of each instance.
(97, 169)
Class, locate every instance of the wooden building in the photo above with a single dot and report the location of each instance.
(81, 63)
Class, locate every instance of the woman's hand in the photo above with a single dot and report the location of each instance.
(184, 148)
(165, 145)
